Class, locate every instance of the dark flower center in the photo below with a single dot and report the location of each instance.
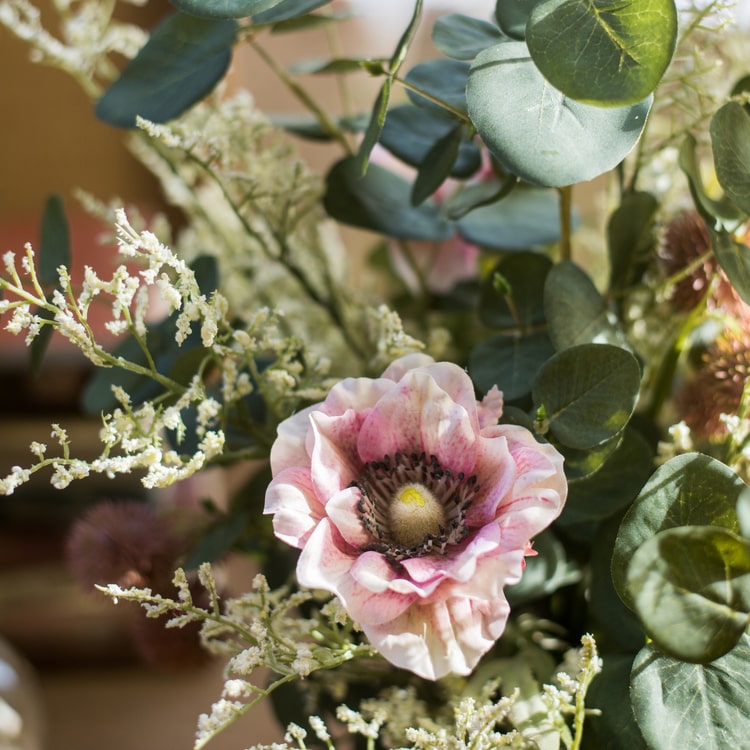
(412, 506)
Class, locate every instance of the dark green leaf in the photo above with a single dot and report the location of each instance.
(218, 540)
(38, 347)
(708, 207)
(463, 37)
(310, 22)
(183, 60)
(734, 258)
(335, 67)
(512, 17)
(380, 201)
(690, 587)
(576, 312)
(437, 165)
(730, 140)
(407, 37)
(614, 486)
(538, 133)
(54, 250)
(580, 464)
(601, 52)
(478, 194)
(680, 705)
(691, 489)
(443, 79)
(589, 392)
(411, 132)
(377, 120)
(521, 306)
(510, 362)
(630, 238)
(286, 10)
(523, 219)
(218, 9)
(546, 572)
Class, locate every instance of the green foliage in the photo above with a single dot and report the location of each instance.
(730, 139)
(601, 52)
(183, 60)
(536, 131)
(463, 37)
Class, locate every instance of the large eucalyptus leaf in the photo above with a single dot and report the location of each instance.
(537, 132)
(510, 362)
(512, 17)
(512, 295)
(614, 486)
(381, 201)
(521, 220)
(183, 60)
(690, 586)
(679, 705)
(576, 312)
(730, 140)
(589, 392)
(689, 490)
(463, 37)
(734, 258)
(224, 8)
(602, 52)
(410, 132)
(445, 80)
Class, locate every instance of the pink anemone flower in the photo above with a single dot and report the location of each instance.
(415, 508)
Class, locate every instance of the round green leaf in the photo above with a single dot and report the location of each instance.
(380, 201)
(589, 392)
(734, 259)
(510, 362)
(576, 312)
(410, 132)
(690, 587)
(224, 8)
(602, 52)
(463, 37)
(443, 79)
(183, 60)
(612, 487)
(537, 132)
(512, 17)
(522, 219)
(680, 705)
(689, 490)
(512, 296)
(630, 238)
(730, 140)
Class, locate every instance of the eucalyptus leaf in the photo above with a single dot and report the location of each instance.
(410, 133)
(183, 60)
(690, 587)
(582, 463)
(218, 9)
(614, 486)
(630, 238)
(375, 127)
(523, 219)
(688, 490)
(54, 246)
(437, 165)
(336, 66)
(463, 37)
(734, 259)
(730, 140)
(576, 312)
(589, 393)
(537, 132)
(680, 705)
(470, 197)
(512, 17)
(517, 302)
(510, 362)
(287, 10)
(442, 79)
(601, 52)
(380, 201)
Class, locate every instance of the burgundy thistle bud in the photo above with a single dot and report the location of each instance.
(686, 255)
(125, 542)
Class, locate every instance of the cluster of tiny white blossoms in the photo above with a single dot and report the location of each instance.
(88, 36)
(259, 629)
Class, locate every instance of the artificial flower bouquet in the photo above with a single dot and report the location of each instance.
(494, 468)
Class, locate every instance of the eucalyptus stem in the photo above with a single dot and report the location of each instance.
(566, 222)
(432, 98)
